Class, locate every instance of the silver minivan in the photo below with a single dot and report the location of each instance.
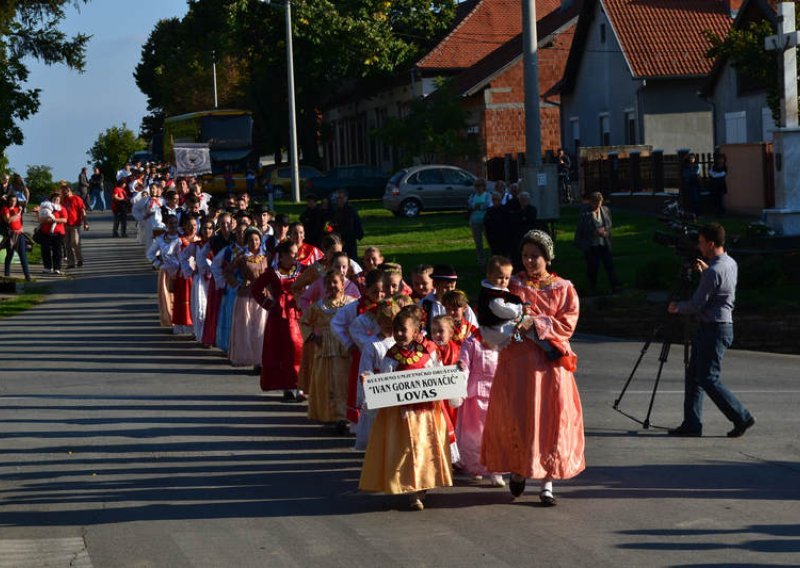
(432, 187)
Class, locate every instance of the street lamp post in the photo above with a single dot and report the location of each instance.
(293, 159)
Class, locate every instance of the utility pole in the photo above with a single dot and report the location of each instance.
(530, 61)
(214, 72)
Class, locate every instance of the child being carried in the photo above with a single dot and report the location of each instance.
(502, 314)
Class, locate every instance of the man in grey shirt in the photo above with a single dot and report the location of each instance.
(712, 304)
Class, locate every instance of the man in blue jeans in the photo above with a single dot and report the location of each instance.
(712, 304)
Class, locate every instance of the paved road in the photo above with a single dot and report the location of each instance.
(124, 446)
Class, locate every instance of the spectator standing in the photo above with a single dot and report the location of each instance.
(97, 190)
(347, 223)
(717, 184)
(496, 224)
(119, 206)
(76, 220)
(593, 237)
(83, 185)
(52, 223)
(313, 219)
(11, 215)
(478, 203)
(691, 181)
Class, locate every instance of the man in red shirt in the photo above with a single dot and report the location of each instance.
(76, 219)
(119, 205)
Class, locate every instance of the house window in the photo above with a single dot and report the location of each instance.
(605, 130)
(630, 127)
(575, 129)
(735, 127)
(602, 33)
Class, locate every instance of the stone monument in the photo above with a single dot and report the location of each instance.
(784, 219)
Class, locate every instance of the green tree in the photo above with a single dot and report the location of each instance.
(433, 130)
(113, 148)
(40, 182)
(335, 42)
(28, 29)
(744, 48)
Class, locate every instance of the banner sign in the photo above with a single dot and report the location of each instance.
(192, 159)
(417, 385)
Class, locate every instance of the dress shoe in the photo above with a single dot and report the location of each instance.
(683, 431)
(547, 498)
(739, 430)
(516, 487)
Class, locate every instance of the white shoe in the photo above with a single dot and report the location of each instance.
(497, 480)
(58, 272)
(477, 478)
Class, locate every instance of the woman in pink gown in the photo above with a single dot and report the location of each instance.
(534, 424)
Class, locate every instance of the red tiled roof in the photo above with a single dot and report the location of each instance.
(664, 38)
(489, 25)
(482, 70)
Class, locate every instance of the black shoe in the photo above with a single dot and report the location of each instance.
(80, 263)
(516, 487)
(288, 396)
(342, 427)
(683, 431)
(739, 430)
(547, 498)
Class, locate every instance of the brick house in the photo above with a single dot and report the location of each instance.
(483, 55)
(634, 71)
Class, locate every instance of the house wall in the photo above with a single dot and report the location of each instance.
(603, 86)
(674, 117)
(727, 101)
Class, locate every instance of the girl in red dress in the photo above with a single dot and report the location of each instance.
(283, 342)
(181, 307)
(307, 254)
(455, 303)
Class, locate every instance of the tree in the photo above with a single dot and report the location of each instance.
(756, 66)
(113, 148)
(433, 130)
(40, 182)
(335, 42)
(28, 29)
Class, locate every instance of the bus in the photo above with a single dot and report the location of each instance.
(229, 135)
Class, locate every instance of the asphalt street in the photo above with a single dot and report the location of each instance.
(123, 446)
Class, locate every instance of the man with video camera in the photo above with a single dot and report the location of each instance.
(712, 304)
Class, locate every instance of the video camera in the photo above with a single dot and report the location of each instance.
(682, 231)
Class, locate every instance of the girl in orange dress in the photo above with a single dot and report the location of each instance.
(534, 424)
(327, 397)
(408, 449)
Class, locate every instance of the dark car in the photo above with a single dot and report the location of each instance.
(361, 182)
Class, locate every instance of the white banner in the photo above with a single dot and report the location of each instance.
(192, 160)
(418, 385)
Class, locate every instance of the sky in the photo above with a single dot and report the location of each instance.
(76, 108)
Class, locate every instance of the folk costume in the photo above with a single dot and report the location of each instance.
(283, 342)
(182, 295)
(371, 359)
(480, 362)
(340, 325)
(163, 254)
(249, 320)
(308, 254)
(534, 423)
(198, 262)
(408, 446)
(327, 396)
(219, 268)
(216, 289)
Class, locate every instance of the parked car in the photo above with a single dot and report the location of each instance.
(282, 176)
(433, 187)
(361, 182)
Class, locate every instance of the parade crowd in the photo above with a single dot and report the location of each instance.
(292, 300)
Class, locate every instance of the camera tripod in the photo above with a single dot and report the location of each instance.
(680, 290)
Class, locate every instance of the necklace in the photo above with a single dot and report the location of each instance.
(409, 355)
(541, 282)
